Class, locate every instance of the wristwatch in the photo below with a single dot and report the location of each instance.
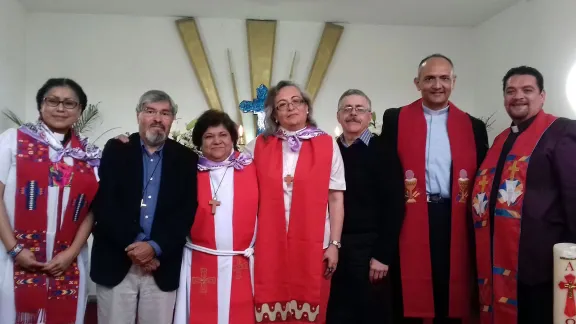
(336, 243)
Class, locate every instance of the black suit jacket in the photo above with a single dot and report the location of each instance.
(116, 210)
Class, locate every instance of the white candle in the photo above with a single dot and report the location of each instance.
(564, 283)
(240, 131)
(337, 131)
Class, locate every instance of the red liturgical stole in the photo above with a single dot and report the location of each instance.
(207, 268)
(415, 260)
(289, 270)
(37, 295)
(498, 274)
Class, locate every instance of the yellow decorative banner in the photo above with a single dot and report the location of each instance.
(326, 49)
(197, 55)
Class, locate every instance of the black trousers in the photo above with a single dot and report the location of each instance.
(440, 225)
(353, 298)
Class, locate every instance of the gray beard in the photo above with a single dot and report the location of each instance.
(155, 138)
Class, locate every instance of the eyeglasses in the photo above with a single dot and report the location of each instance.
(55, 102)
(297, 103)
(359, 109)
(163, 113)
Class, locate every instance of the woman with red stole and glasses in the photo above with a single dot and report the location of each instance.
(216, 273)
(301, 210)
(48, 179)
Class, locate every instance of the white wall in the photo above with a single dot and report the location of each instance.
(12, 59)
(117, 58)
(539, 33)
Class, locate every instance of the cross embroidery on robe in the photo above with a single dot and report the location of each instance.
(569, 285)
(239, 266)
(203, 280)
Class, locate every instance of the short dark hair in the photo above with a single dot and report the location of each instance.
(435, 55)
(214, 118)
(62, 82)
(524, 70)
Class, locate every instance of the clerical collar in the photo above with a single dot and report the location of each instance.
(432, 112)
(523, 125)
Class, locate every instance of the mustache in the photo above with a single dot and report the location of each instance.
(158, 125)
(354, 119)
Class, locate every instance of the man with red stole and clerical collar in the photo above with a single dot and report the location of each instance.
(434, 150)
(300, 213)
(516, 225)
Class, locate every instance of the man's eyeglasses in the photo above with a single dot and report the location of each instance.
(163, 113)
(66, 103)
(359, 109)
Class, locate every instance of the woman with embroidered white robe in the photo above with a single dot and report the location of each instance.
(48, 178)
(215, 278)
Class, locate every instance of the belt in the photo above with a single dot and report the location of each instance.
(436, 199)
(248, 253)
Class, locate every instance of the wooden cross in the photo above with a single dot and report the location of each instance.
(483, 183)
(570, 308)
(203, 280)
(215, 203)
(288, 179)
(513, 169)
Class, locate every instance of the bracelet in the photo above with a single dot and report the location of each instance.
(15, 250)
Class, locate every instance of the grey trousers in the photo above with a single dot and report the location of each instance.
(137, 296)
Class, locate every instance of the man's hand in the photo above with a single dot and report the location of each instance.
(151, 266)
(140, 253)
(378, 271)
(122, 138)
(59, 264)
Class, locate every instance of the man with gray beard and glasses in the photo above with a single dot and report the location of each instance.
(143, 211)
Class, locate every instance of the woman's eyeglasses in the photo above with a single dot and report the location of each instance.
(66, 103)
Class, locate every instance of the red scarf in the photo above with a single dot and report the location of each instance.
(37, 295)
(204, 284)
(498, 277)
(414, 239)
(289, 271)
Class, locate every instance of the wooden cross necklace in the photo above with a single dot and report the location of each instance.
(289, 179)
(214, 202)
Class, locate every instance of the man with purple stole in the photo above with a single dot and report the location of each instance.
(514, 241)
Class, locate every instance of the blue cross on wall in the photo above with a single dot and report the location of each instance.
(256, 107)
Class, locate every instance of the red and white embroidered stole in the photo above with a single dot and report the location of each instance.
(289, 268)
(415, 260)
(37, 295)
(204, 275)
(497, 273)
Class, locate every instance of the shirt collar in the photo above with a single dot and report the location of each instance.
(429, 111)
(364, 137)
(157, 152)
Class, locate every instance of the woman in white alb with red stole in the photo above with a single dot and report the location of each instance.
(215, 278)
(48, 179)
(301, 183)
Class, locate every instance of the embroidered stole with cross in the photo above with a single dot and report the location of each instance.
(38, 296)
(206, 268)
(497, 273)
(415, 259)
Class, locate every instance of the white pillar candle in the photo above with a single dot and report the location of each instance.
(564, 283)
